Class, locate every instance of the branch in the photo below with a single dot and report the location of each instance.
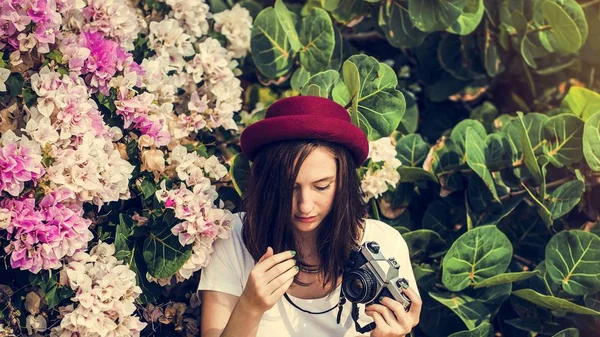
(364, 36)
(525, 261)
(589, 4)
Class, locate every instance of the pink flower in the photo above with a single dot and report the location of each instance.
(18, 164)
(41, 236)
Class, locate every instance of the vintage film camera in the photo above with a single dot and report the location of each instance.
(369, 275)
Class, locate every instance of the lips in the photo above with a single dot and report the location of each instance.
(306, 219)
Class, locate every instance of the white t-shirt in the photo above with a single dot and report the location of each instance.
(230, 267)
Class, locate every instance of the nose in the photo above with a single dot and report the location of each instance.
(304, 202)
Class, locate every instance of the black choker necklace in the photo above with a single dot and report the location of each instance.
(311, 271)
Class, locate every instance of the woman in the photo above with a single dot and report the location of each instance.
(280, 272)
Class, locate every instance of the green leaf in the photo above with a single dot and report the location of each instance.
(163, 253)
(572, 260)
(395, 22)
(318, 40)
(412, 150)
(14, 84)
(410, 120)
(324, 82)
(270, 47)
(581, 102)
(148, 188)
(299, 78)
(564, 198)
(459, 56)
(564, 36)
(415, 174)
(55, 55)
(485, 329)
(534, 324)
(437, 217)
(475, 151)
(494, 148)
(570, 332)
(591, 141)
(421, 242)
(475, 256)
(553, 303)
(433, 15)
(506, 278)
(377, 104)
(288, 21)
(349, 10)
(123, 238)
(470, 311)
(459, 134)
(483, 209)
(565, 132)
(528, 154)
(469, 19)
(239, 172)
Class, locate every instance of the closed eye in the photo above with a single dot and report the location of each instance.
(323, 188)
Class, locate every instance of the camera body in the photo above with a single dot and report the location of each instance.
(369, 275)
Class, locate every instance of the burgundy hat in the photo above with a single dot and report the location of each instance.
(305, 118)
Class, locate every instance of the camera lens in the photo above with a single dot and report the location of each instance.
(359, 286)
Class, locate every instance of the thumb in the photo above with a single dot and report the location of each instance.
(267, 254)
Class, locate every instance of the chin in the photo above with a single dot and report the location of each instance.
(306, 227)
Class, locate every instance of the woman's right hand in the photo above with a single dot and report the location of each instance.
(269, 280)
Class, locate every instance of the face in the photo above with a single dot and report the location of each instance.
(314, 190)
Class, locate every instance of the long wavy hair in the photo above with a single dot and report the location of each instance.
(268, 199)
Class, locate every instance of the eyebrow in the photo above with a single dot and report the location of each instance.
(324, 179)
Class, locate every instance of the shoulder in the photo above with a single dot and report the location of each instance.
(383, 233)
(234, 235)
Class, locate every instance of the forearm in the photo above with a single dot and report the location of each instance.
(243, 321)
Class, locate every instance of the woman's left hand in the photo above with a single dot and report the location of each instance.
(390, 317)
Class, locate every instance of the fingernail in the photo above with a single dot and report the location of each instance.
(295, 262)
(297, 268)
(380, 299)
(293, 253)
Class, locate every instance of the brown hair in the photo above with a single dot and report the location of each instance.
(268, 205)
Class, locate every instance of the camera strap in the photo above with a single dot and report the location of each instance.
(285, 295)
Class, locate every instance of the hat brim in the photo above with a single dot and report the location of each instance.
(304, 127)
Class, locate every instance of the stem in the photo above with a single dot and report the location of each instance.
(525, 261)
(529, 80)
(588, 4)
(375, 209)
(364, 36)
(540, 29)
(550, 185)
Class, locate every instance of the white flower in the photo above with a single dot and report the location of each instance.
(4, 73)
(35, 324)
(5, 217)
(236, 25)
(382, 150)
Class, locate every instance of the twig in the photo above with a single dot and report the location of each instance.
(363, 36)
(591, 3)
(525, 261)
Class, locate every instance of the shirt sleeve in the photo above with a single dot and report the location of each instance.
(227, 269)
(402, 255)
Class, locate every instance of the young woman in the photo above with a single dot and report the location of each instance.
(279, 274)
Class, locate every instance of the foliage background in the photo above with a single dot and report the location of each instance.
(494, 112)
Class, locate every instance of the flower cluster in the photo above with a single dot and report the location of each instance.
(382, 172)
(202, 222)
(20, 162)
(41, 235)
(105, 291)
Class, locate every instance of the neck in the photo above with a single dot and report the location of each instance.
(307, 243)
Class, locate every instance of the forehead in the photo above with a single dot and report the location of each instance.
(319, 164)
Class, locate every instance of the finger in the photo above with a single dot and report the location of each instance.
(281, 284)
(380, 324)
(401, 317)
(415, 305)
(266, 255)
(386, 313)
(279, 269)
(271, 261)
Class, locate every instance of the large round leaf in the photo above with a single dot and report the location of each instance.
(239, 170)
(591, 141)
(460, 57)
(320, 84)
(376, 103)
(412, 150)
(422, 242)
(459, 133)
(395, 22)
(485, 329)
(565, 133)
(299, 78)
(271, 50)
(475, 256)
(570, 332)
(507, 278)
(471, 311)
(572, 259)
(560, 201)
(469, 19)
(564, 36)
(163, 253)
(432, 15)
(349, 10)
(410, 120)
(288, 21)
(318, 40)
(476, 159)
(553, 303)
(581, 102)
